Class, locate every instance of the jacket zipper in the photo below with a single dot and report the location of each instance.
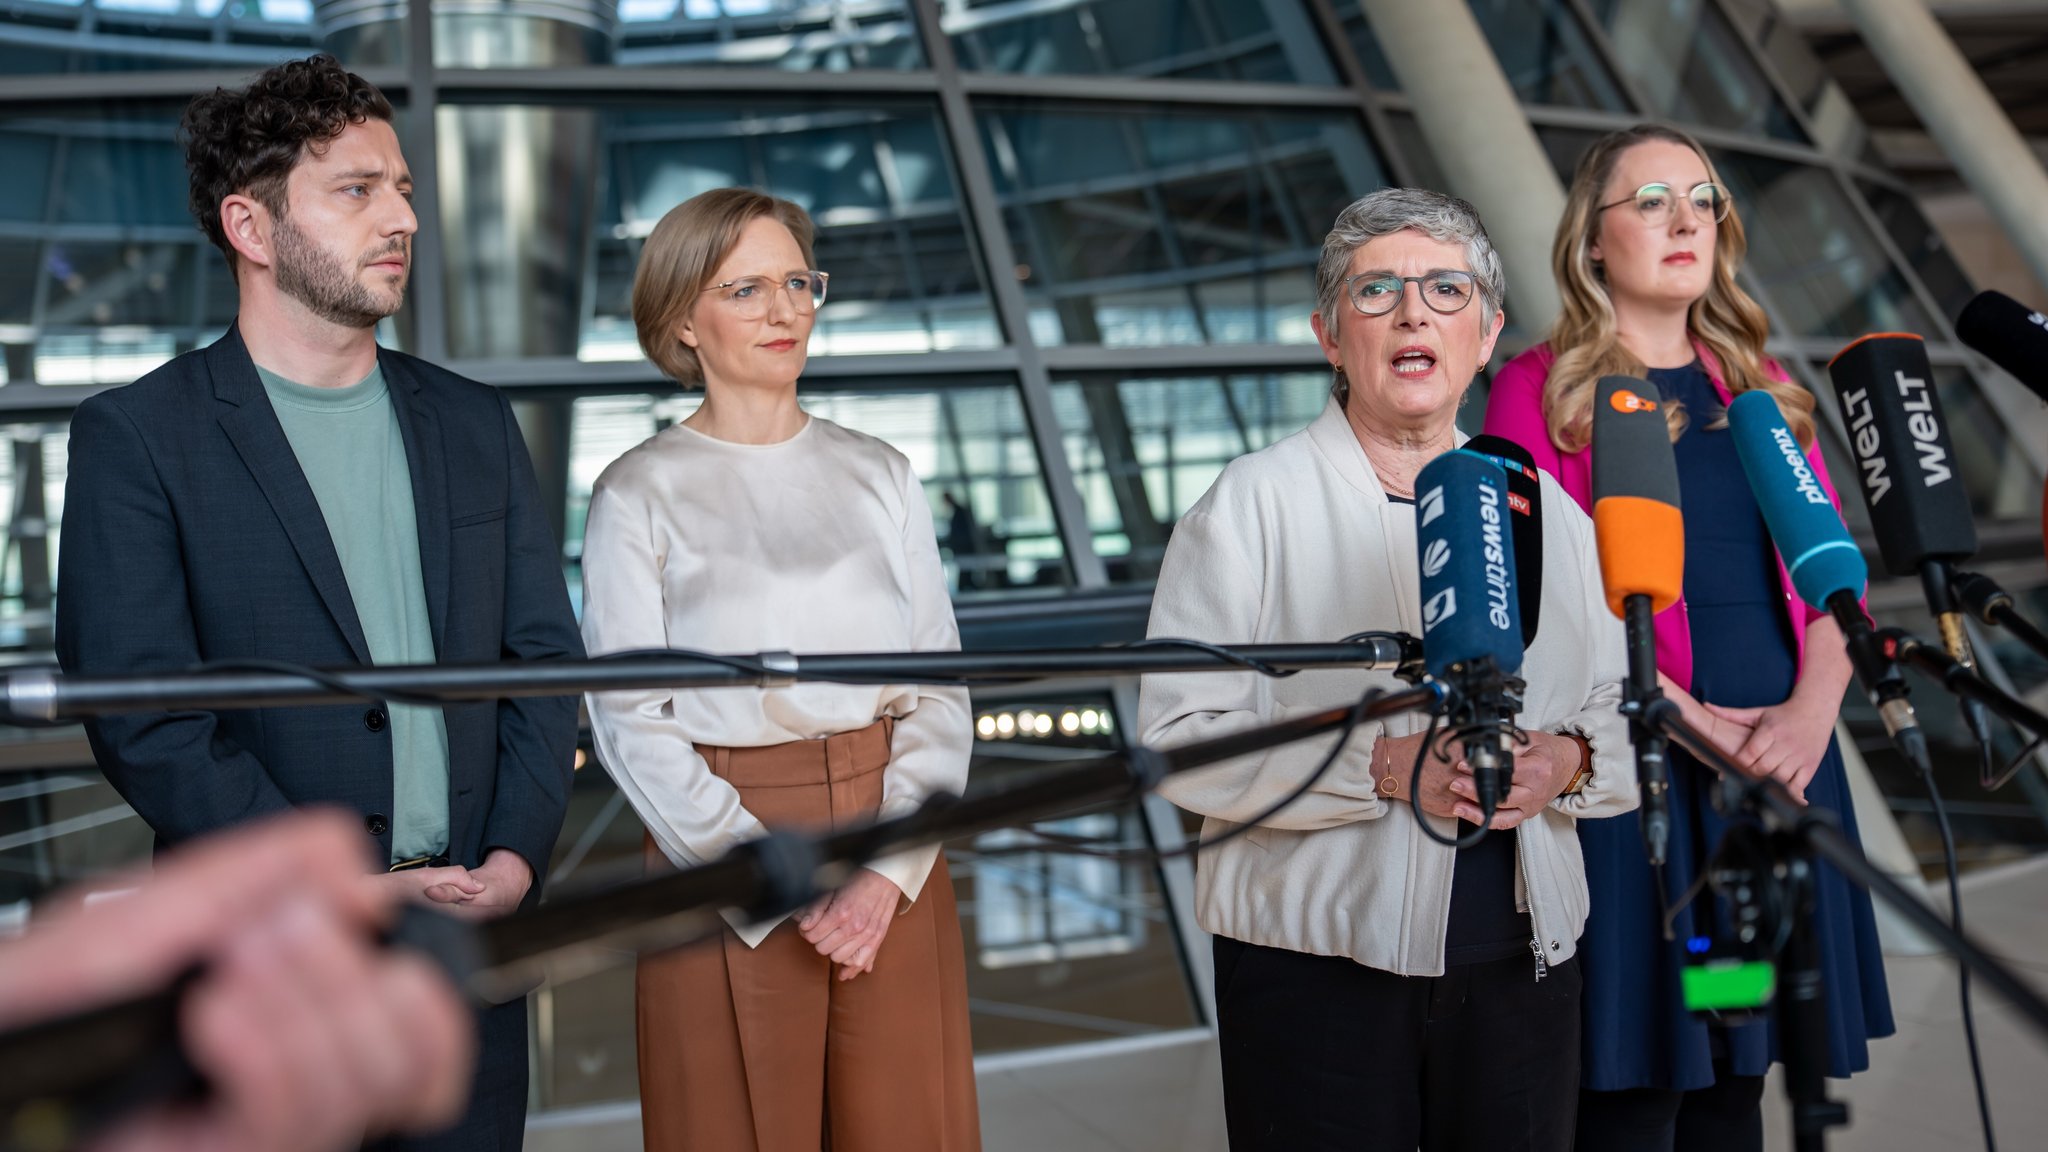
(1542, 966)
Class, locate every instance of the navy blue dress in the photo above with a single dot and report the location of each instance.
(1637, 1031)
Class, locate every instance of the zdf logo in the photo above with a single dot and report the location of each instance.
(1435, 557)
(1627, 401)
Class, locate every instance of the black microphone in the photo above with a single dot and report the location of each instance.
(1825, 564)
(1641, 533)
(1471, 616)
(1525, 500)
(2012, 335)
(1906, 469)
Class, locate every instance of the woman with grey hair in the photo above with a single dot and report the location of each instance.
(1375, 988)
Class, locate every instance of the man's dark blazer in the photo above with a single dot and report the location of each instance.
(190, 534)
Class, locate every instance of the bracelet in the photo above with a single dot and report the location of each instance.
(1585, 772)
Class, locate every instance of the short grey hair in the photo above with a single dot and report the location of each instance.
(1442, 218)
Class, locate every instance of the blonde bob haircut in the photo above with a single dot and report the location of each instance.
(1725, 321)
(682, 254)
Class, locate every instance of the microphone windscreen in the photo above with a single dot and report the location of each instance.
(1525, 500)
(1465, 548)
(1905, 463)
(1636, 511)
(2013, 335)
(1810, 536)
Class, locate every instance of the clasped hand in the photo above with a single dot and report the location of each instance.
(1544, 763)
(848, 925)
(485, 892)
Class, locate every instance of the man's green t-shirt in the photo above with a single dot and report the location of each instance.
(349, 447)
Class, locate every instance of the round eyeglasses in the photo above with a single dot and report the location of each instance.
(1445, 290)
(1655, 203)
(749, 296)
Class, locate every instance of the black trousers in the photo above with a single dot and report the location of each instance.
(494, 1120)
(1725, 1116)
(1320, 1052)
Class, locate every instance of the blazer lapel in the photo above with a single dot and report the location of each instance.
(421, 430)
(251, 425)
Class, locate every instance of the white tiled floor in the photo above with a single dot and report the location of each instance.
(1163, 1094)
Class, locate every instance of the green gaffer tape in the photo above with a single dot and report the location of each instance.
(1723, 985)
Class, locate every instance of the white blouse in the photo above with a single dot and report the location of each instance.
(820, 543)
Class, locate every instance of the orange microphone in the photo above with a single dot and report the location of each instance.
(1641, 533)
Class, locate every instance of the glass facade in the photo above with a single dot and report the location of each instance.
(1072, 245)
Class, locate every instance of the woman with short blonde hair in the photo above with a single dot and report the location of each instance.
(753, 526)
(1645, 261)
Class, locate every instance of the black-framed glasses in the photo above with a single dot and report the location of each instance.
(1445, 290)
(1655, 203)
(749, 296)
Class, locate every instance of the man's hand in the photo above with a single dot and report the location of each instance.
(309, 1034)
(503, 880)
(451, 885)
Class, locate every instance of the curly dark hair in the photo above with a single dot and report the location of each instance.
(249, 141)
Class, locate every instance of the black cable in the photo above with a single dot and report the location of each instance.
(2012, 767)
(1083, 845)
(1986, 758)
(1216, 650)
(1468, 839)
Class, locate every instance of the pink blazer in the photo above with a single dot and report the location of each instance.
(1515, 411)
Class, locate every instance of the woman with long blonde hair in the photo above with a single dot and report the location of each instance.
(1645, 261)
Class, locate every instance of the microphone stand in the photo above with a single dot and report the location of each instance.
(42, 694)
(1981, 597)
(64, 1080)
(1792, 836)
(1639, 692)
(1958, 678)
(1879, 676)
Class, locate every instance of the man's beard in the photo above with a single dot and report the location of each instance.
(306, 273)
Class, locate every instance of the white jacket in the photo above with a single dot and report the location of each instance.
(1298, 542)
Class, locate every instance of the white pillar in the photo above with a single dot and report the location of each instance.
(1482, 140)
(1951, 99)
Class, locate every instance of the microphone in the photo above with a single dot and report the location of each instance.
(1641, 534)
(1471, 616)
(1525, 499)
(1905, 465)
(1826, 567)
(2012, 335)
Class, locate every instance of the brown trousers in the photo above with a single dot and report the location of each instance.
(762, 1049)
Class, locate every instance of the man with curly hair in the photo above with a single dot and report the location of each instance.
(295, 493)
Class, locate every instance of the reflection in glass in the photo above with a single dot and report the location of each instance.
(1921, 245)
(1271, 40)
(965, 440)
(1833, 119)
(1144, 450)
(1173, 227)
(1540, 44)
(156, 35)
(107, 278)
(1692, 66)
(796, 35)
(878, 181)
(1826, 274)
(33, 466)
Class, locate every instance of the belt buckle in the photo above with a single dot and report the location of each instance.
(436, 861)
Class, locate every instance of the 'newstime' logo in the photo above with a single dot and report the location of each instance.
(1802, 475)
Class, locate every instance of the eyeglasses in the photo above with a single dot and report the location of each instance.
(749, 296)
(1654, 203)
(1445, 291)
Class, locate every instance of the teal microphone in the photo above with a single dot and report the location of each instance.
(1826, 566)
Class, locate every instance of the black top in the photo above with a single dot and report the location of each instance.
(1483, 924)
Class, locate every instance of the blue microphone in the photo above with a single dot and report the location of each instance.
(1471, 611)
(1826, 566)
